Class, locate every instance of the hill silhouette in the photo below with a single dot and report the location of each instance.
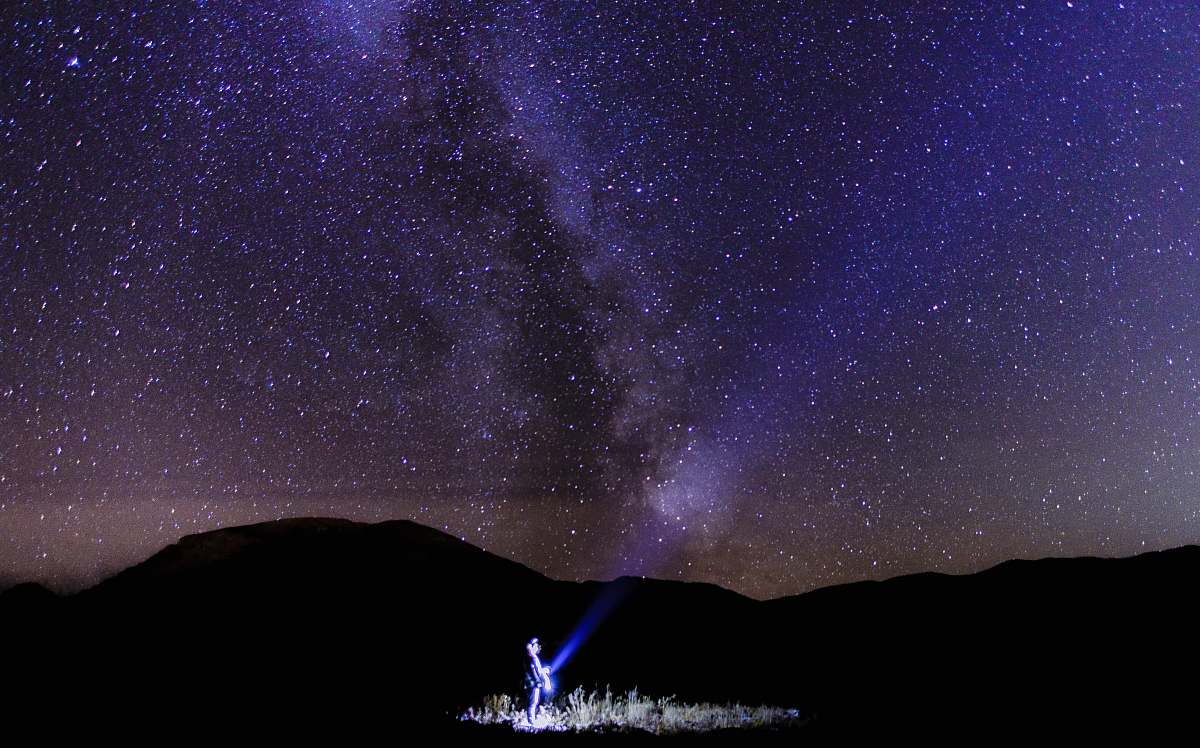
(339, 622)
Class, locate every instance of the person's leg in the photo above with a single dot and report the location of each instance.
(534, 695)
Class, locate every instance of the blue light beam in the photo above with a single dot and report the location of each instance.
(609, 598)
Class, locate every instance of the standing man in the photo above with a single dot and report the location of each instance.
(537, 678)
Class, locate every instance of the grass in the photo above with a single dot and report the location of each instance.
(582, 711)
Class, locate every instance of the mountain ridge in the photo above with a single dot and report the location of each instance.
(238, 537)
(313, 613)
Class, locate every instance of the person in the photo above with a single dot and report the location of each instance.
(537, 678)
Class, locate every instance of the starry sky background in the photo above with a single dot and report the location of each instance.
(772, 295)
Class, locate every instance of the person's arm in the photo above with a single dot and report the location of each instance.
(543, 673)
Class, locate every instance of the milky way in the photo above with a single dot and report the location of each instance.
(773, 297)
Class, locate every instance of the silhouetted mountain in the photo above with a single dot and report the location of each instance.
(327, 620)
(25, 599)
(1069, 642)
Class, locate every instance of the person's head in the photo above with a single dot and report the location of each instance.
(533, 647)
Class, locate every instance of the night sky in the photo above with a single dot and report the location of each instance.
(770, 295)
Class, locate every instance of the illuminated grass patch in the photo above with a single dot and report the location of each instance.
(592, 711)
